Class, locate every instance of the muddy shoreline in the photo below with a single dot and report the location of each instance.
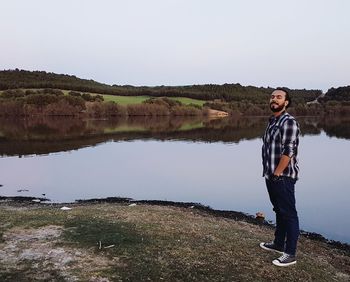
(235, 215)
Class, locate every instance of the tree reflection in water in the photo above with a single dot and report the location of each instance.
(46, 135)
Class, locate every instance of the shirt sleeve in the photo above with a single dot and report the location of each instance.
(290, 132)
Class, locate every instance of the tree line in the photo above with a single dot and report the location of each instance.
(14, 79)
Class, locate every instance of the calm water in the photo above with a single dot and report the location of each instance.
(216, 163)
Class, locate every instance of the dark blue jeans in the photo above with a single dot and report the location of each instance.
(282, 197)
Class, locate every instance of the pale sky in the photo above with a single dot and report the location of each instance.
(297, 44)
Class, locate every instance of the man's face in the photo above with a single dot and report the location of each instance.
(278, 101)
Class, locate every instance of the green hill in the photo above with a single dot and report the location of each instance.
(13, 79)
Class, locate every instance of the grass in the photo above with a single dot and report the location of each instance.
(125, 100)
(160, 243)
(129, 100)
(87, 232)
(188, 101)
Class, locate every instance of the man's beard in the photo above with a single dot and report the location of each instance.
(276, 110)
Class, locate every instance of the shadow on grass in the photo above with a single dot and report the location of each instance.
(136, 258)
(100, 234)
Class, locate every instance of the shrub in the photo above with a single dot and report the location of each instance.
(77, 102)
(87, 97)
(61, 108)
(51, 91)
(11, 108)
(98, 98)
(30, 92)
(74, 93)
(147, 110)
(94, 109)
(40, 100)
(199, 107)
(163, 101)
(113, 109)
(15, 93)
(185, 111)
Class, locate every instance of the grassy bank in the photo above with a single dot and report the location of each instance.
(119, 242)
(128, 100)
(55, 102)
(131, 100)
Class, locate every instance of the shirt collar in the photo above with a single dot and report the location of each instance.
(273, 118)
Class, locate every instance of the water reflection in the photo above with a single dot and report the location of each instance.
(20, 137)
(222, 170)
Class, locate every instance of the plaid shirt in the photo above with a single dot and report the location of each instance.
(281, 138)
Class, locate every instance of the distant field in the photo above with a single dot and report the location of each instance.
(127, 100)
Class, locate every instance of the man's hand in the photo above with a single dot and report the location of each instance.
(284, 161)
(275, 177)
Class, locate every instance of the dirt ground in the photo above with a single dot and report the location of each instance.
(140, 242)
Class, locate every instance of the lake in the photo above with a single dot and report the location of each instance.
(212, 162)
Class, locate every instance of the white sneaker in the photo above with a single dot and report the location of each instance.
(285, 260)
(271, 247)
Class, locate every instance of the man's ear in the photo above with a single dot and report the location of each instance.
(286, 103)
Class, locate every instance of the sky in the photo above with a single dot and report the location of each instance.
(296, 44)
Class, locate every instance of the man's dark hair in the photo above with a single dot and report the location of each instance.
(287, 95)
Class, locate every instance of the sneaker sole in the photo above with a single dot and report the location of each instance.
(268, 249)
(277, 263)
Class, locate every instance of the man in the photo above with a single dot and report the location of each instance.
(280, 169)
